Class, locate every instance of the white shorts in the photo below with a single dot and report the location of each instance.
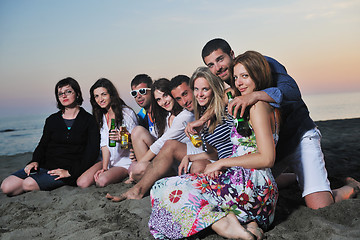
(308, 164)
(123, 162)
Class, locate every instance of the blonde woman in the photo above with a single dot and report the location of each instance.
(235, 196)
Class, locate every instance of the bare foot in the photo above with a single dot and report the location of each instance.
(230, 227)
(108, 196)
(132, 193)
(255, 230)
(349, 190)
(354, 184)
(129, 181)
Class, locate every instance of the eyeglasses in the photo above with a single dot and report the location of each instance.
(66, 93)
(142, 91)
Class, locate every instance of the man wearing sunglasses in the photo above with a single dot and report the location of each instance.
(141, 91)
(172, 152)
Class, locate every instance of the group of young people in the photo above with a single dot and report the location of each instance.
(230, 183)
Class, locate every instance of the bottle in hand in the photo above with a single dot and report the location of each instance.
(194, 138)
(242, 125)
(112, 143)
(124, 136)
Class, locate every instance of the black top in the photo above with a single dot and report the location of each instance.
(74, 150)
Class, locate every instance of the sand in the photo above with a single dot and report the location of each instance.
(74, 213)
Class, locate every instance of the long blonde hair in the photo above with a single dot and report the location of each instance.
(216, 104)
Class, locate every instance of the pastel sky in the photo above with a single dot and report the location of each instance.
(44, 41)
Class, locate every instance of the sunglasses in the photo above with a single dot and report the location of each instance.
(142, 91)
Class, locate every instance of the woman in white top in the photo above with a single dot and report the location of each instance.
(168, 119)
(115, 163)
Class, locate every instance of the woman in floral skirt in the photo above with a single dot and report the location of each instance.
(236, 196)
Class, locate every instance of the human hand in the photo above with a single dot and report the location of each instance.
(191, 127)
(213, 170)
(183, 167)
(30, 166)
(114, 135)
(241, 102)
(97, 174)
(132, 155)
(62, 173)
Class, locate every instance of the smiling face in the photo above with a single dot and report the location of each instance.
(243, 81)
(102, 97)
(202, 92)
(164, 100)
(219, 63)
(145, 99)
(66, 95)
(184, 96)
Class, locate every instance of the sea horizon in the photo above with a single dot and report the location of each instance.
(21, 134)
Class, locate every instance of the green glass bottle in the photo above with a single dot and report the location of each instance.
(242, 126)
(112, 143)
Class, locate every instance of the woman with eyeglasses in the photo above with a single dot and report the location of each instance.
(68, 146)
(107, 104)
(168, 118)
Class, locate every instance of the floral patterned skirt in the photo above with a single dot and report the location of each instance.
(184, 205)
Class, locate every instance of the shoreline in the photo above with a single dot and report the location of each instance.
(71, 212)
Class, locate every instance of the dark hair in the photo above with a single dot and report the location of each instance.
(142, 78)
(158, 113)
(258, 69)
(74, 85)
(178, 80)
(215, 44)
(116, 104)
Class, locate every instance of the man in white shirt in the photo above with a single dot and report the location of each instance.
(173, 151)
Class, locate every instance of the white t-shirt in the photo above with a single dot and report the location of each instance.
(175, 132)
(119, 157)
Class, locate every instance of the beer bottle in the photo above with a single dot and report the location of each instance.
(242, 126)
(195, 138)
(124, 136)
(112, 143)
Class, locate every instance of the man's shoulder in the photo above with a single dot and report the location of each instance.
(275, 65)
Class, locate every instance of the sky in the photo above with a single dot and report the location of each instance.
(44, 41)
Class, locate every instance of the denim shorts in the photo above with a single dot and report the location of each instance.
(45, 181)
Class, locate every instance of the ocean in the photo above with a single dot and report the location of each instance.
(22, 134)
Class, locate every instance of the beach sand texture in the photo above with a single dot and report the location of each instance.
(74, 213)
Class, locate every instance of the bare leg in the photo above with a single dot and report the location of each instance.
(141, 141)
(12, 186)
(348, 191)
(319, 200)
(113, 175)
(138, 170)
(199, 166)
(230, 227)
(87, 178)
(158, 168)
(30, 184)
(323, 199)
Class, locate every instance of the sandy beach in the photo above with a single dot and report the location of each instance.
(74, 213)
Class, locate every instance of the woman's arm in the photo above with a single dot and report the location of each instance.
(260, 118)
(175, 132)
(105, 157)
(39, 153)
